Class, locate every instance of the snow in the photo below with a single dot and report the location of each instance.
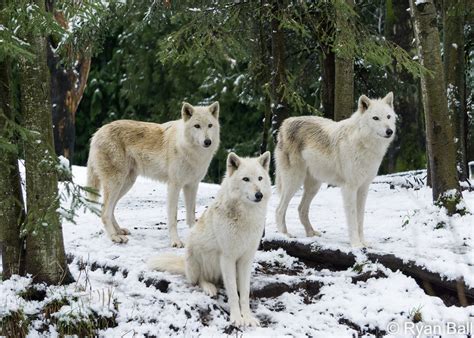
(399, 220)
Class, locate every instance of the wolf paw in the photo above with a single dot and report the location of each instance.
(250, 320)
(177, 244)
(366, 244)
(123, 231)
(313, 233)
(357, 245)
(289, 235)
(209, 289)
(245, 320)
(119, 238)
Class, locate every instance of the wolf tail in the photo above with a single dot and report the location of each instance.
(93, 182)
(168, 262)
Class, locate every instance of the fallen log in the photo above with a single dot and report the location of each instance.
(452, 292)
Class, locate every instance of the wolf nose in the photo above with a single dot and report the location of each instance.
(258, 196)
(389, 132)
(207, 142)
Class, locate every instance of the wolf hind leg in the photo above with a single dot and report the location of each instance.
(195, 274)
(127, 185)
(311, 188)
(290, 182)
(111, 194)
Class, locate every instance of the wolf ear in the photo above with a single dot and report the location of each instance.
(214, 109)
(264, 160)
(233, 162)
(186, 111)
(364, 103)
(388, 99)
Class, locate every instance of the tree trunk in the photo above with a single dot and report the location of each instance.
(439, 129)
(12, 210)
(67, 87)
(279, 105)
(328, 76)
(344, 80)
(453, 45)
(264, 51)
(404, 151)
(45, 256)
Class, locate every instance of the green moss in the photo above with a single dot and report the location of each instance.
(453, 203)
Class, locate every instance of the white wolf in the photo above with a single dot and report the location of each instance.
(312, 150)
(177, 152)
(223, 243)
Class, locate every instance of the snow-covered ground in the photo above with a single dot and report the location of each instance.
(399, 220)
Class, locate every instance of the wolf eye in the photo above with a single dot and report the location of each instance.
(376, 118)
(388, 117)
(197, 126)
(260, 178)
(210, 125)
(246, 179)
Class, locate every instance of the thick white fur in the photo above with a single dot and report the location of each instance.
(223, 243)
(174, 152)
(313, 150)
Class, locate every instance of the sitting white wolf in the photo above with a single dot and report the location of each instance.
(312, 150)
(223, 243)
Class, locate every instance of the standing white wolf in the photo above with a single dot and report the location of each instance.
(312, 150)
(177, 152)
(223, 243)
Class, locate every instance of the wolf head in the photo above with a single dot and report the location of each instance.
(248, 178)
(201, 124)
(378, 116)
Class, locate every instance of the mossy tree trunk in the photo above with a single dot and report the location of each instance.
(279, 106)
(453, 45)
(344, 76)
(439, 128)
(45, 256)
(12, 209)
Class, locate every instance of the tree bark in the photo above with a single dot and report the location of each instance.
(328, 76)
(67, 87)
(404, 153)
(453, 46)
(279, 105)
(45, 256)
(439, 128)
(344, 80)
(12, 209)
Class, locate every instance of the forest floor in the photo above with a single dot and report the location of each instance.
(290, 296)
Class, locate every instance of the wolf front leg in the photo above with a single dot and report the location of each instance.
(349, 196)
(361, 199)
(228, 269)
(173, 196)
(244, 267)
(190, 193)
